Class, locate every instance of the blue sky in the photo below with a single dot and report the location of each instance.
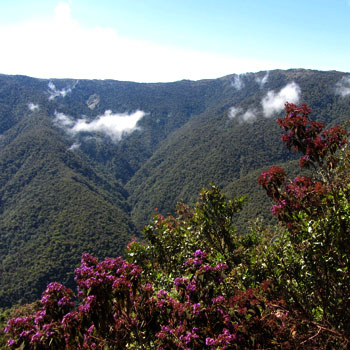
(153, 40)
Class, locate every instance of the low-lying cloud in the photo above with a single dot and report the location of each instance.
(33, 107)
(110, 124)
(74, 146)
(238, 82)
(274, 102)
(53, 92)
(63, 120)
(262, 81)
(233, 112)
(248, 116)
(343, 86)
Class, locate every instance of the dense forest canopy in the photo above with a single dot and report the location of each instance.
(83, 164)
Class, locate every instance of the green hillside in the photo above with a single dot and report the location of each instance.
(54, 207)
(211, 147)
(64, 192)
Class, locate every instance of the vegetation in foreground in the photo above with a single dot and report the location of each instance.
(197, 284)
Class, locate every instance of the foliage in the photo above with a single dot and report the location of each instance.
(209, 227)
(196, 283)
(119, 309)
(56, 203)
(54, 206)
(309, 261)
(190, 301)
(14, 312)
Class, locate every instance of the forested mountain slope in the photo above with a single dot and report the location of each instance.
(54, 207)
(84, 163)
(215, 147)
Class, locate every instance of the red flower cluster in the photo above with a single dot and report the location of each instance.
(310, 137)
(318, 146)
(271, 180)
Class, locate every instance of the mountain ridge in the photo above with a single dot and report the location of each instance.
(65, 190)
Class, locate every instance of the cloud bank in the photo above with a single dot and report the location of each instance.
(274, 102)
(61, 47)
(112, 125)
(343, 86)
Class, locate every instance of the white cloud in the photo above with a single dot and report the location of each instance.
(343, 86)
(60, 47)
(63, 120)
(262, 81)
(63, 13)
(234, 112)
(238, 83)
(274, 102)
(33, 107)
(53, 92)
(74, 146)
(113, 125)
(249, 116)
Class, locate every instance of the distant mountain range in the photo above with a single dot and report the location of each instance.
(84, 163)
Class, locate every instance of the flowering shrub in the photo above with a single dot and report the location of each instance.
(119, 310)
(318, 146)
(308, 262)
